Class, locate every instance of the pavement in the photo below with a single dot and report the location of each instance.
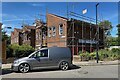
(94, 63)
(80, 63)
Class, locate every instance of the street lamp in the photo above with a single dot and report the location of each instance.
(97, 44)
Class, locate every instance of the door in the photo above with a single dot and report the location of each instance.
(34, 60)
(44, 58)
(40, 59)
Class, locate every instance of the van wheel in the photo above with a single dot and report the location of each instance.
(24, 67)
(64, 65)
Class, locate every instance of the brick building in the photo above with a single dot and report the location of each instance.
(16, 36)
(70, 33)
(28, 35)
(57, 31)
(41, 34)
(62, 32)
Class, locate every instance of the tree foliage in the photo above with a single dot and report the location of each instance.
(112, 41)
(107, 26)
(118, 34)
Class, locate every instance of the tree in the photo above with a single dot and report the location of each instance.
(112, 41)
(118, 34)
(107, 26)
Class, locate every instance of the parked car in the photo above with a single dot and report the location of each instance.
(60, 57)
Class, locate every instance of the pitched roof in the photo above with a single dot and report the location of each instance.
(18, 30)
(12, 33)
(30, 27)
(58, 16)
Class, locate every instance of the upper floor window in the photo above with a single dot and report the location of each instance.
(37, 35)
(49, 32)
(54, 31)
(61, 29)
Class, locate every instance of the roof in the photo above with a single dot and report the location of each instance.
(58, 16)
(18, 30)
(30, 27)
(12, 32)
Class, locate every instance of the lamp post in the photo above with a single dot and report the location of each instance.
(97, 44)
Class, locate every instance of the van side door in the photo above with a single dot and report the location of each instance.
(44, 58)
(34, 60)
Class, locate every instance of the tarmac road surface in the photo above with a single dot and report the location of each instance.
(100, 71)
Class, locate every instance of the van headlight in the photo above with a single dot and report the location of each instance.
(16, 62)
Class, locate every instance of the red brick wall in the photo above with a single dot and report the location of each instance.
(15, 37)
(55, 21)
(3, 51)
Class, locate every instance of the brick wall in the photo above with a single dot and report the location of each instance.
(4, 51)
(29, 35)
(57, 40)
(15, 36)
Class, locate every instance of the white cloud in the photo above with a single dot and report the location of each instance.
(38, 5)
(16, 20)
(9, 16)
(3, 26)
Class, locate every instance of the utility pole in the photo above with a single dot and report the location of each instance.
(97, 44)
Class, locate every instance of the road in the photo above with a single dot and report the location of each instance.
(101, 71)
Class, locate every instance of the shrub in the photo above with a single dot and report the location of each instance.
(103, 54)
(85, 56)
(80, 52)
(24, 51)
(115, 50)
(92, 55)
(12, 49)
(21, 51)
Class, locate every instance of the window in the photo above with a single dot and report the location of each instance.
(44, 36)
(54, 31)
(37, 36)
(49, 32)
(17, 39)
(27, 36)
(44, 53)
(36, 55)
(61, 29)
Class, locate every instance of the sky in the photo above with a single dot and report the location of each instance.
(15, 14)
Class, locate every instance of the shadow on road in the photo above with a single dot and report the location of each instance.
(6, 71)
(55, 69)
(74, 67)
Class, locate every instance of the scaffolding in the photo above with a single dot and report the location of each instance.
(85, 20)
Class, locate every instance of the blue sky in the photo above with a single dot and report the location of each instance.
(15, 13)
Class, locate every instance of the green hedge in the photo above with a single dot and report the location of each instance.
(19, 51)
(84, 56)
(104, 54)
